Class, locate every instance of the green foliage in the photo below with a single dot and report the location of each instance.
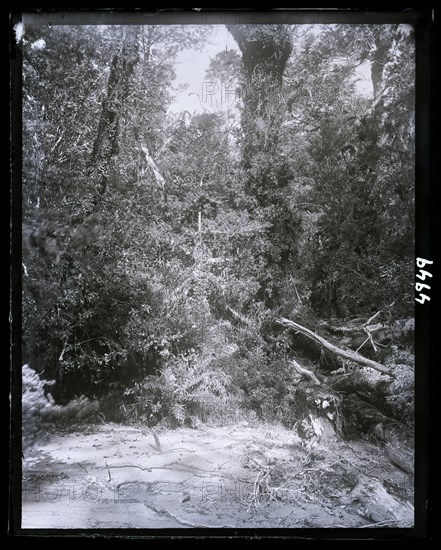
(266, 384)
(402, 390)
(98, 287)
(34, 405)
(160, 295)
(358, 160)
(177, 395)
(38, 407)
(261, 375)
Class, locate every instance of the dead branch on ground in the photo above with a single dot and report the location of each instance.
(345, 354)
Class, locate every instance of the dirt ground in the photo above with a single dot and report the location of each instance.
(240, 476)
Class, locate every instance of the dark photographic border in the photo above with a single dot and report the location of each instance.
(422, 20)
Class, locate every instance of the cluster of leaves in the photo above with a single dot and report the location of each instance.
(402, 390)
(267, 386)
(99, 268)
(126, 272)
(34, 404)
(259, 368)
(38, 406)
(178, 395)
(355, 168)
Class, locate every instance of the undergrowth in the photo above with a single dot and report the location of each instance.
(178, 395)
(401, 398)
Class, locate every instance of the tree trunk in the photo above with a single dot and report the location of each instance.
(378, 59)
(265, 51)
(105, 145)
(361, 417)
(346, 354)
(375, 504)
(363, 383)
(400, 453)
(317, 409)
(152, 165)
(266, 173)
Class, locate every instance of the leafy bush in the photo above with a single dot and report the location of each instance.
(401, 398)
(34, 404)
(306, 206)
(178, 393)
(266, 385)
(38, 407)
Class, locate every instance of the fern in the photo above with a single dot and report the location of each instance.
(153, 383)
(168, 377)
(193, 382)
(248, 331)
(178, 413)
(34, 404)
(177, 394)
(241, 317)
(228, 350)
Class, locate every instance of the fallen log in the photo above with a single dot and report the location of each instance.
(305, 373)
(346, 354)
(374, 503)
(361, 417)
(401, 455)
(383, 332)
(399, 447)
(360, 382)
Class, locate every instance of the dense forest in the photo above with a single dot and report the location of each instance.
(256, 256)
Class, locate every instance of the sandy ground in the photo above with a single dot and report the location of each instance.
(241, 476)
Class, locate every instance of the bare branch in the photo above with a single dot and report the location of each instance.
(158, 176)
(346, 354)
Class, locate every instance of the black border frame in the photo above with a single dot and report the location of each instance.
(423, 21)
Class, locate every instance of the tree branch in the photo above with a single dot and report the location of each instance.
(305, 373)
(346, 354)
(152, 165)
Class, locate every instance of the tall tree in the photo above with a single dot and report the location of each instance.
(105, 145)
(355, 156)
(95, 291)
(265, 50)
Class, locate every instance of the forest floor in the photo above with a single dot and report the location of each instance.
(247, 475)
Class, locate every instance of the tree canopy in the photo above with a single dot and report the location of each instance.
(159, 247)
